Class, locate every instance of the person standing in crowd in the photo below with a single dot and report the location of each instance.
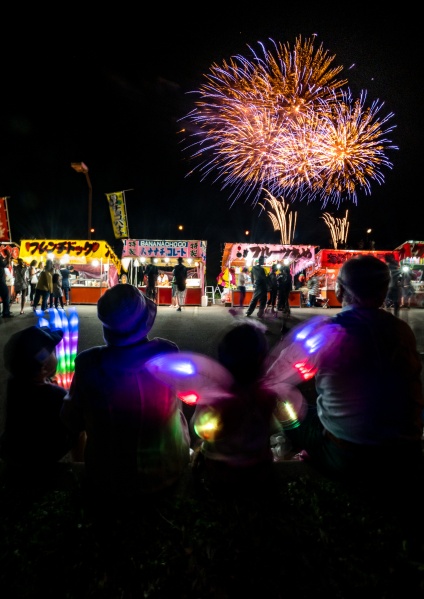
(137, 435)
(33, 280)
(180, 275)
(21, 282)
(57, 294)
(152, 273)
(313, 286)
(284, 285)
(367, 421)
(65, 273)
(34, 437)
(244, 280)
(260, 294)
(394, 292)
(10, 279)
(174, 292)
(4, 290)
(407, 287)
(44, 287)
(272, 288)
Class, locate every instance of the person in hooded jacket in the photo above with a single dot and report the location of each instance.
(138, 441)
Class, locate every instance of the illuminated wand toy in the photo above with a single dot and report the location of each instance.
(66, 350)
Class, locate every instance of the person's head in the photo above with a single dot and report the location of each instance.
(261, 261)
(31, 352)
(126, 314)
(301, 278)
(180, 260)
(245, 270)
(33, 263)
(390, 259)
(242, 351)
(363, 281)
(274, 268)
(56, 277)
(49, 265)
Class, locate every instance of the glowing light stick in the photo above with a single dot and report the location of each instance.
(67, 348)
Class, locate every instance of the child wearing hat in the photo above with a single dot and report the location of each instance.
(34, 431)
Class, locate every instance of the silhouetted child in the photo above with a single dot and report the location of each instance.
(236, 454)
(34, 438)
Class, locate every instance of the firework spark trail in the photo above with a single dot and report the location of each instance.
(281, 217)
(282, 121)
(339, 228)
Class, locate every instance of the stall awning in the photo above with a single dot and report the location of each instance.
(79, 251)
(413, 250)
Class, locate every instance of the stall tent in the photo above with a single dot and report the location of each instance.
(165, 253)
(327, 264)
(95, 261)
(238, 255)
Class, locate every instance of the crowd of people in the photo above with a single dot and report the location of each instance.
(43, 285)
(123, 421)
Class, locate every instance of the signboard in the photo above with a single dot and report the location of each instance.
(79, 251)
(335, 258)
(163, 249)
(298, 257)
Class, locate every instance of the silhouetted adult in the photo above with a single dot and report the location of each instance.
(394, 292)
(180, 275)
(260, 294)
(285, 284)
(137, 436)
(367, 422)
(4, 290)
(152, 273)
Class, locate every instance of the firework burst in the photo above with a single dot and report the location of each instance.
(282, 121)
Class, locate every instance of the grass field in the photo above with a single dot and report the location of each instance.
(305, 535)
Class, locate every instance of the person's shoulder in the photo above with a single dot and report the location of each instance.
(164, 344)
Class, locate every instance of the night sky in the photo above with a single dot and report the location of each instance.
(111, 89)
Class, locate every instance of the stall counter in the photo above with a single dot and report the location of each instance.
(80, 294)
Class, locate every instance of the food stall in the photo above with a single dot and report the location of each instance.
(412, 257)
(327, 264)
(239, 255)
(97, 266)
(165, 253)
